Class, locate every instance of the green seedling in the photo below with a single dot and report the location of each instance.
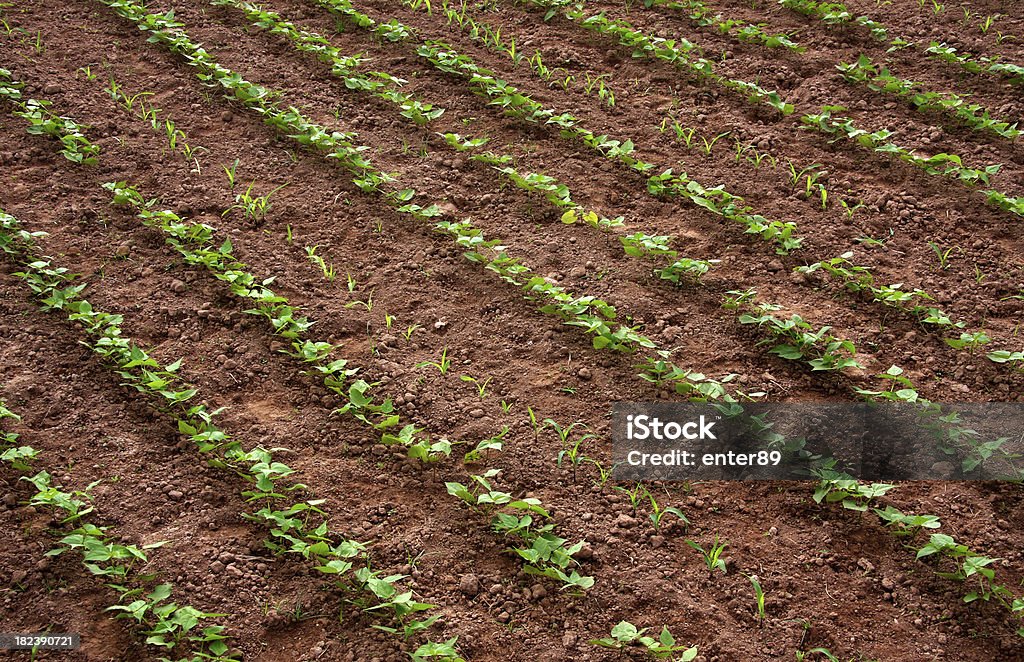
(230, 172)
(968, 341)
(255, 207)
(604, 474)
(758, 597)
(433, 651)
(853, 494)
(710, 144)
(808, 172)
(327, 270)
(442, 365)
(571, 449)
(481, 385)
(850, 210)
(368, 304)
(658, 513)
(535, 425)
(625, 635)
(942, 254)
(494, 443)
(635, 494)
(713, 555)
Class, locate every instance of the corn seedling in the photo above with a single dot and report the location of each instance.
(942, 254)
(758, 597)
(571, 448)
(709, 144)
(230, 172)
(481, 385)
(327, 270)
(850, 209)
(442, 365)
(712, 556)
(254, 207)
(658, 513)
(635, 494)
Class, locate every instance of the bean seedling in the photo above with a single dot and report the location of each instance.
(625, 634)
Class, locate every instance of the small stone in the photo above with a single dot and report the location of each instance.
(477, 413)
(585, 374)
(585, 553)
(177, 286)
(175, 495)
(124, 250)
(538, 591)
(657, 541)
(469, 585)
(226, 116)
(217, 567)
(624, 521)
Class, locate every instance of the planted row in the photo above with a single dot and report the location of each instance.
(293, 527)
(677, 52)
(704, 16)
(595, 316)
(880, 79)
(518, 104)
(836, 13)
(557, 193)
(76, 147)
(953, 560)
(166, 625)
(844, 128)
(194, 242)
(859, 279)
(946, 165)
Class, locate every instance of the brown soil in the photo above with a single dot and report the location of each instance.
(833, 578)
